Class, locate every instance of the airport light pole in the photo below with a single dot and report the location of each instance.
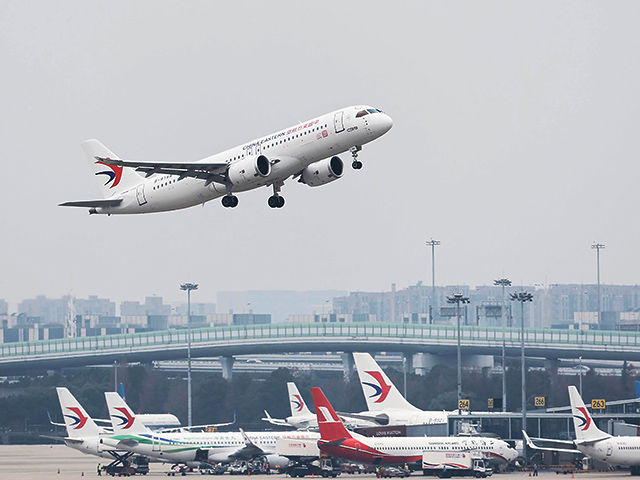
(503, 282)
(580, 358)
(522, 297)
(597, 247)
(188, 287)
(458, 298)
(433, 244)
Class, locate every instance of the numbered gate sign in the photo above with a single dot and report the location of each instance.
(598, 404)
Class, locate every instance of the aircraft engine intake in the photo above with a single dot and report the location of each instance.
(323, 172)
(250, 170)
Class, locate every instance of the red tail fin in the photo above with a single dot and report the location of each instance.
(331, 427)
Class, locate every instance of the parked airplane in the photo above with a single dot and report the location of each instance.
(597, 444)
(337, 441)
(83, 434)
(187, 447)
(384, 400)
(155, 421)
(302, 418)
(308, 151)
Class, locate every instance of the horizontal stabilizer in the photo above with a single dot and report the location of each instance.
(110, 202)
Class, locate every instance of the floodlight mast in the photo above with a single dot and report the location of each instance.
(503, 282)
(433, 243)
(522, 297)
(189, 287)
(458, 298)
(597, 247)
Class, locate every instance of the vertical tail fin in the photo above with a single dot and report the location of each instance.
(76, 419)
(124, 421)
(112, 178)
(331, 427)
(585, 427)
(378, 390)
(298, 406)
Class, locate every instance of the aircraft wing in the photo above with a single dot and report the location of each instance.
(380, 418)
(109, 202)
(250, 449)
(211, 172)
(200, 428)
(275, 421)
(63, 439)
(551, 445)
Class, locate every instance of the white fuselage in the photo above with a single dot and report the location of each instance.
(400, 416)
(190, 447)
(290, 151)
(614, 450)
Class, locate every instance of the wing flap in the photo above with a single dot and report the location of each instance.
(212, 172)
(109, 202)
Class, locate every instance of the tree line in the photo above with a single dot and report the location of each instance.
(26, 402)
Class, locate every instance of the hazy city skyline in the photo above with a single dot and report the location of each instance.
(514, 143)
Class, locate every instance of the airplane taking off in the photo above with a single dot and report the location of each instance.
(384, 400)
(307, 151)
(337, 441)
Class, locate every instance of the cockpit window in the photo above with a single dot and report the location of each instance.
(362, 113)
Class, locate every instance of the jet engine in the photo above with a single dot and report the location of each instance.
(248, 171)
(323, 172)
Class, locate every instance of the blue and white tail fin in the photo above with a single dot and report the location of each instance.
(585, 427)
(298, 406)
(378, 390)
(123, 419)
(76, 419)
(112, 178)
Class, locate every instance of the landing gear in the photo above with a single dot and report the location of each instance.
(276, 201)
(356, 164)
(229, 201)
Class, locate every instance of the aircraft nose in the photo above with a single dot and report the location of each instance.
(385, 122)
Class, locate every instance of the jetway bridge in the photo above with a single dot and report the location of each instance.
(434, 342)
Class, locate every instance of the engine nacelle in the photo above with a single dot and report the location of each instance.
(323, 172)
(249, 170)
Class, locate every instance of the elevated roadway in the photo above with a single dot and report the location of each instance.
(226, 342)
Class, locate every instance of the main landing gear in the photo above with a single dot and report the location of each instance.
(356, 164)
(229, 201)
(275, 200)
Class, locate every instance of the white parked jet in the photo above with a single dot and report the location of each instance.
(83, 434)
(385, 402)
(186, 447)
(307, 151)
(302, 418)
(597, 444)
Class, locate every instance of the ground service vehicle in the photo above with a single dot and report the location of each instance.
(446, 464)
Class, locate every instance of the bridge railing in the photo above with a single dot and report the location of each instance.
(200, 336)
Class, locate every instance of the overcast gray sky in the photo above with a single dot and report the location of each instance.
(515, 142)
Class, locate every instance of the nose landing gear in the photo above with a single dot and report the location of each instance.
(356, 164)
